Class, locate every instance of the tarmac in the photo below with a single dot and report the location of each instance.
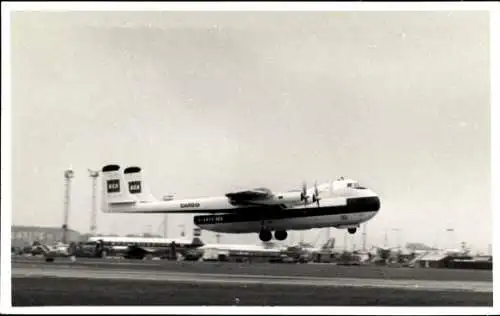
(272, 269)
(129, 282)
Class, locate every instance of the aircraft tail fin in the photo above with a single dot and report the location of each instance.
(115, 190)
(136, 186)
(197, 237)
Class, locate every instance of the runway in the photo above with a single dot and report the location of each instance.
(162, 276)
(40, 283)
(300, 270)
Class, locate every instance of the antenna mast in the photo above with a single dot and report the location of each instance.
(364, 237)
(93, 215)
(68, 175)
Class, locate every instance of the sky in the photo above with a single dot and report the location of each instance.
(211, 102)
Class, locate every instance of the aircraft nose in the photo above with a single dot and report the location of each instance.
(366, 203)
(374, 200)
(376, 203)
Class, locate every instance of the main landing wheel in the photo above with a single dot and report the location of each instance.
(351, 230)
(280, 234)
(265, 235)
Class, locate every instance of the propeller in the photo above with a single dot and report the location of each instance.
(316, 197)
(303, 194)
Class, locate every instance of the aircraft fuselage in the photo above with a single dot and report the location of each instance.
(340, 212)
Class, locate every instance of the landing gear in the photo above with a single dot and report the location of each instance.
(351, 230)
(280, 234)
(265, 235)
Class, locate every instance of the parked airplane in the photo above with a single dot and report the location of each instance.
(238, 252)
(139, 247)
(121, 243)
(343, 204)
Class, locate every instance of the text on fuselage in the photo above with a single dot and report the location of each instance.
(191, 204)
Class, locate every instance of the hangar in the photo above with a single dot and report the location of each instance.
(25, 235)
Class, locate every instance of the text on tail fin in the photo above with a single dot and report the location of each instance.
(136, 187)
(115, 191)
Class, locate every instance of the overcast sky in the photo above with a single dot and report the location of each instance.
(211, 102)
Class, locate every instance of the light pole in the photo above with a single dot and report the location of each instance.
(167, 197)
(165, 225)
(398, 232)
(345, 241)
(93, 215)
(68, 175)
(436, 240)
(183, 233)
(364, 237)
(451, 238)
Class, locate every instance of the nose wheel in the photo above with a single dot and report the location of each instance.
(351, 230)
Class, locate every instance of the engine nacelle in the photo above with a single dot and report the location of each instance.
(289, 197)
(282, 198)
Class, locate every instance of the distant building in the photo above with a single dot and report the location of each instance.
(433, 260)
(416, 246)
(26, 235)
(453, 261)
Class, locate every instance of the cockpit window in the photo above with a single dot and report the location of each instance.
(355, 185)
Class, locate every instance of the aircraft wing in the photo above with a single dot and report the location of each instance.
(250, 197)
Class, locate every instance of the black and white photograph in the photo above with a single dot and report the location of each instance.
(260, 156)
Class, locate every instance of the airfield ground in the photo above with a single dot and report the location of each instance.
(101, 282)
(57, 292)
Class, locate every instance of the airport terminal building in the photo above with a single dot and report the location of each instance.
(26, 235)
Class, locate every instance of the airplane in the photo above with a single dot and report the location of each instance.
(140, 241)
(213, 251)
(139, 247)
(342, 204)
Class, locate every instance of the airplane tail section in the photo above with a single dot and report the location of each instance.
(136, 185)
(115, 190)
